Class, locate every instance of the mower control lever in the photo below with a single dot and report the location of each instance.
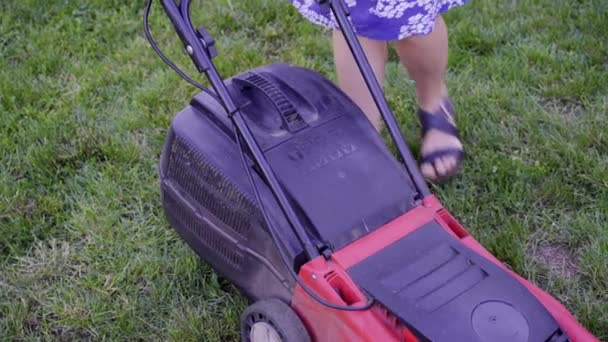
(208, 42)
(192, 40)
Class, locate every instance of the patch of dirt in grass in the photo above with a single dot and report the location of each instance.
(71, 334)
(31, 325)
(569, 110)
(557, 258)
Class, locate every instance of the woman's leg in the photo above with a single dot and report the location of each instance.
(349, 76)
(426, 59)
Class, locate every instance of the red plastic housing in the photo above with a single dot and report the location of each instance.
(330, 281)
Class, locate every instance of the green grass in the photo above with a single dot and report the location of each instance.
(85, 252)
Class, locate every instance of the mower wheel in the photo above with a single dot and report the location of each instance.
(272, 320)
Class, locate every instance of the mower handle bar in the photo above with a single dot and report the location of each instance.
(340, 12)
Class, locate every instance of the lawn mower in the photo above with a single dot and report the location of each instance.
(280, 183)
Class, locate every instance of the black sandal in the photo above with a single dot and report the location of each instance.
(444, 121)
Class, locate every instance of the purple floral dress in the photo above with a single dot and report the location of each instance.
(384, 20)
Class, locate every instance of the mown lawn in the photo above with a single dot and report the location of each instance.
(85, 252)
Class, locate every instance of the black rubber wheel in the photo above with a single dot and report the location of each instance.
(272, 320)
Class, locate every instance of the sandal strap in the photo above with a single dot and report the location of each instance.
(442, 120)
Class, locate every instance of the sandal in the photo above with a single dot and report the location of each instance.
(443, 120)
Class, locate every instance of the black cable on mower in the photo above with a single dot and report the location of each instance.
(167, 60)
(271, 228)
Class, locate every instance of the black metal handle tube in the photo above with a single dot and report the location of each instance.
(338, 8)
